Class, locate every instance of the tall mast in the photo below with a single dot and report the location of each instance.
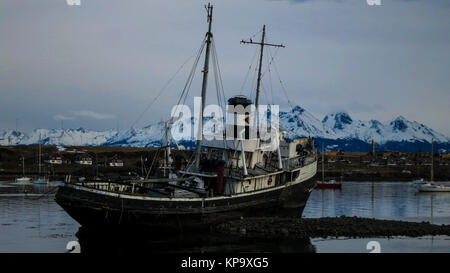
(23, 166)
(39, 154)
(258, 83)
(209, 9)
(167, 157)
(323, 162)
(142, 167)
(432, 160)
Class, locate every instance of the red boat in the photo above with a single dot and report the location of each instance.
(329, 185)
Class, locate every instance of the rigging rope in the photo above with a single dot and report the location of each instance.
(153, 161)
(254, 80)
(248, 71)
(216, 76)
(191, 76)
(185, 90)
(281, 82)
(161, 91)
(219, 88)
(220, 74)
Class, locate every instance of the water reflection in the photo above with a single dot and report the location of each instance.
(425, 244)
(94, 241)
(30, 220)
(383, 200)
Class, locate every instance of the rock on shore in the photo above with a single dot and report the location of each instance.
(353, 227)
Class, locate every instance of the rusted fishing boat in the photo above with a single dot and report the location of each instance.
(228, 179)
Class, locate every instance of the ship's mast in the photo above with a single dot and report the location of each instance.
(432, 161)
(23, 166)
(258, 83)
(209, 9)
(167, 160)
(40, 154)
(323, 162)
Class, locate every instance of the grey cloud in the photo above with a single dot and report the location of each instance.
(63, 117)
(111, 57)
(92, 114)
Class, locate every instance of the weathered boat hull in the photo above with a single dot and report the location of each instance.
(95, 208)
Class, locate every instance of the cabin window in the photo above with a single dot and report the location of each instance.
(295, 174)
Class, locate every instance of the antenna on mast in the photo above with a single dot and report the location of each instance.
(258, 83)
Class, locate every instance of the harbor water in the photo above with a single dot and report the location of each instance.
(31, 221)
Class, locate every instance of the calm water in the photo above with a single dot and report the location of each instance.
(35, 223)
(381, 200)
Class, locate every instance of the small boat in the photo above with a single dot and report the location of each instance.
(40, 179)
(328, 185)
(23, 178)
(418, 182)
(430, 187)
(323, 184)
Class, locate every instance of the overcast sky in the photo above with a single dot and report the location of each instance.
(100, 64)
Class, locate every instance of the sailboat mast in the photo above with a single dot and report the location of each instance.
(142, 167)
(167, 157)
(432, 160)
(23, 166)
(323, 162)
(209, 9)
(39, 154)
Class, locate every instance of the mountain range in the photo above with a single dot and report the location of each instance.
(337, 130)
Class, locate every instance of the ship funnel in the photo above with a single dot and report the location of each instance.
(238, 116)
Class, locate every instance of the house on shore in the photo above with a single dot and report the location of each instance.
(115, 162)
(84, 160)
(55, 159)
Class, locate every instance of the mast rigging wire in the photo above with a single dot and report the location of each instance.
(163, 88)
(185, 90)
(248, 71)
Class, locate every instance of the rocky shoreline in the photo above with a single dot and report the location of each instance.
(352, 227)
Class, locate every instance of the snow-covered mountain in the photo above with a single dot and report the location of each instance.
(338, 130)
(398, 129)
(339, 125)
(68, 137)
(300, 123)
